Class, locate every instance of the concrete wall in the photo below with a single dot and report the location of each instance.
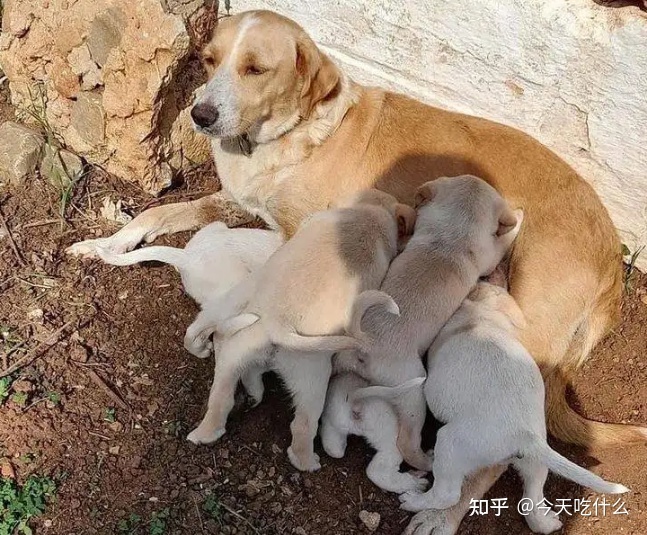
(571, 73)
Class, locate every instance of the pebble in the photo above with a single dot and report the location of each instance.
(370, 520)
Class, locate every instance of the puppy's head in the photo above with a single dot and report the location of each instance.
(265, 74)
(469, 212)
(404, 215)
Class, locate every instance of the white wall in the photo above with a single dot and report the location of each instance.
(571, 73)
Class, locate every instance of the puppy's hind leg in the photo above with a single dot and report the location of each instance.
(333, 440)
(240, 351)
(412, 410)
(534, 473)
(306, 376)
(252, 380)
(450, 466)
(381, 431)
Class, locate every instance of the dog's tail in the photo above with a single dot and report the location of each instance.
(169, 255)
(364, 301)
(385, 393)
(562, 466)
(328, 343)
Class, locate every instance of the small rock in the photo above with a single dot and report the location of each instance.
(116, 426)
(35, 314)
(370, 520)
(60, 167)
(105, 33)
(644, 299)
(276, 450)
(88, 118)
(23, 386)
(114, 450)
(300, 531)
(20, 150)
(47, 523)
(7, 470)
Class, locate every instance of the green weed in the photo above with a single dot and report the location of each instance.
(19, 504)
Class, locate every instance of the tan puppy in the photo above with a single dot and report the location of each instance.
(463, 230)
(303, 136)
(305, 290)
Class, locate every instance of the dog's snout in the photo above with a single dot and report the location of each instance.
(204, 115)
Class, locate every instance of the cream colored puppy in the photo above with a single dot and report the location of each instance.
(486, 388)
(463, 230)
(217, 261)
(301, 299)
(374, 419)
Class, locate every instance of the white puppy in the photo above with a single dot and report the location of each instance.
(373, 418)
(213, 264)
(486, 388)
(463, 230)
(301, 300)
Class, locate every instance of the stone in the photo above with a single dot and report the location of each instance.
(20, 151)
(88, 119)
(370, 520)
(105, 33)
(60, 167)
(114, 78)
(571, 74)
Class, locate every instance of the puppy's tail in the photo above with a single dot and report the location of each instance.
(364, 301)
(237, 323)
(385, 393)
(169, 255)
(330, 343)
(562, 466)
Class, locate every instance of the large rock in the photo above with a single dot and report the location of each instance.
(571, 73)
(110, 77)
(20, 152)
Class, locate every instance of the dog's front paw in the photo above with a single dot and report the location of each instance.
(310, 464)
(204, 436)
(417, 483)
(546, 521)
(88, 248)
(413, 501)
(199, 346)
(431, 522)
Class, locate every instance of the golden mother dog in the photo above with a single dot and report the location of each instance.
(291, 134)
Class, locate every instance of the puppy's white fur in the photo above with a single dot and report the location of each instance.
(463, 229)
(301, 299)
(213, 264)
(486, 388)
(372, 418)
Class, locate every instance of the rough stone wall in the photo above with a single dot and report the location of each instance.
(571, 73)
(110, 78)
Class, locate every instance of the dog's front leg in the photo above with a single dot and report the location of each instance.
(166, 219)
(447, 521)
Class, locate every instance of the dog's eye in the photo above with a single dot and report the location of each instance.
(253, 70)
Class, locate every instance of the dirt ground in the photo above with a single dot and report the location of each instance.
(108, 406)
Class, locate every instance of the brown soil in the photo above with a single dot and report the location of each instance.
(127, 327)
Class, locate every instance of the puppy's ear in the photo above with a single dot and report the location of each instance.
(320, 75)
(508, 220)
(511, 309)
(424, 194)
(406, 217)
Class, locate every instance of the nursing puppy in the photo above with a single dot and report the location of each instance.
(372, 418)
(486, 388)
(463, 230)
(214, 262)
(301, 298)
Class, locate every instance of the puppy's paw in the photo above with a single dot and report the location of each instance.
(417, 483)
(304, 465)
(204, 436)
(413, 501)
(544, 521)
(88, 248)
(431, 522)
(198, 346)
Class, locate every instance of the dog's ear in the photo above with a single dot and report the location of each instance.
(406, 218)
(424, 194)
(508, 220)
(512, 310)
(320, 75)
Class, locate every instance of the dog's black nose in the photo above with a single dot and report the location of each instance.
(204, 115)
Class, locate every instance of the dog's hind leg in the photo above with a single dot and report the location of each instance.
(238, 353)
(306, 376)
(252, 380)
(411, 408)
(534, 473)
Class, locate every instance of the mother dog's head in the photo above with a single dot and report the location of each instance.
(265, 75)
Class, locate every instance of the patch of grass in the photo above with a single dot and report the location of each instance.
(174, 428)
(130, 525)
(212, 507)
(20, 398)
(630, 260)
(9, 338)
(5, 388)
(19, 504)
(110, 415)
(157, 525)
(54, 397)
